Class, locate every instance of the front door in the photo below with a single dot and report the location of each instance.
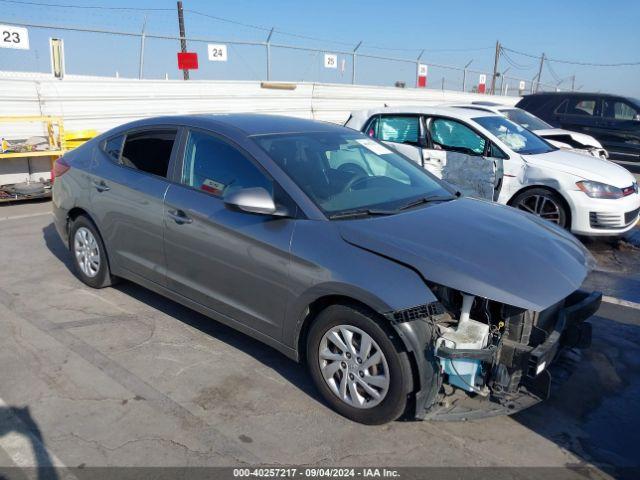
(462, 157)
(619, 129)
(233, 262)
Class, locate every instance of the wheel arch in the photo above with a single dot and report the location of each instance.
(552, 189)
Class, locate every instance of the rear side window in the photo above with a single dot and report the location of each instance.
(149, 151)
(113, 147)
(215, 167)
(398, 129)
(585, 107)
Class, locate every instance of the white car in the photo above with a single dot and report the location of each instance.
(558, 137)
(488, 156)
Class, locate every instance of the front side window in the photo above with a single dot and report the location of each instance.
(341, 172)
(517, 138)
(451, 135)
(397, 129)
(216, 167)
(619, 110)
(149, 151)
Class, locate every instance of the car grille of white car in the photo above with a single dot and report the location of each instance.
(612, 220)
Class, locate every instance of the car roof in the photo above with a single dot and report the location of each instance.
(574, 94)
(246, 123)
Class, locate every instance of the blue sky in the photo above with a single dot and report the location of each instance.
(452, 33)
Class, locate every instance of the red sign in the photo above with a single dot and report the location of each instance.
(187, 61)
(482, 83)
(422, 75)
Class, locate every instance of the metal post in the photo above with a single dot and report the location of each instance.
(495, 68)
(269, 54)
(183, 40)
(141, 67)
(464, 76)
(353, 63)
(540, 72)
(502, 79)
(418, 66)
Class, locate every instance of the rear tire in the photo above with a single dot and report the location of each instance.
(89, 255)
(367, 379)
(544, 203)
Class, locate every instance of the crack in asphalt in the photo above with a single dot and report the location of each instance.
(223, 445)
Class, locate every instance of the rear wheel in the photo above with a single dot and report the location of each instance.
(543, 203)
(356, 367)
(89, 254)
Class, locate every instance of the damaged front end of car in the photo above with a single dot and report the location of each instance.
(485, 358)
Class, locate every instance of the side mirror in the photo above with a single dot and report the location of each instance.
(251, 200)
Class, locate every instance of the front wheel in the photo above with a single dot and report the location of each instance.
(543, 203)
(356, 366)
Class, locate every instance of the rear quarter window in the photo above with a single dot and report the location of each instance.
(113, 147)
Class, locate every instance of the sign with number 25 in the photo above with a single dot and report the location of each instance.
(14, 37)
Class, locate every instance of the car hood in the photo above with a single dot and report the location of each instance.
(480, 248)
(584, 166)
(586, 140)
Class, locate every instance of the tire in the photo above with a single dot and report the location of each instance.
(393, 365)
(85, 241)
(544, 203)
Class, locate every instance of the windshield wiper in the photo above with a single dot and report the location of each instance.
(428, 199)
(363, 212)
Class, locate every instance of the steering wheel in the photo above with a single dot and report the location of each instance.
(356, 179)
(352, 168)
(380, 179)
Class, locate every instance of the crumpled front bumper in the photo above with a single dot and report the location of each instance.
(551, 361)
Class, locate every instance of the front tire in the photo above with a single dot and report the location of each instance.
(89, 255)
(545, 204)
(356, 367)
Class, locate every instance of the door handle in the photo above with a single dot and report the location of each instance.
(101, 186)
(179, 217)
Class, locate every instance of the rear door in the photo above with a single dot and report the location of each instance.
(459, 155)
(403, 133)
(233, 262)
(128, 184)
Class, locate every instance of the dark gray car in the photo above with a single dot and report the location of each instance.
(402, 296)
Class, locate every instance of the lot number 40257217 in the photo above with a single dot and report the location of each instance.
(14, 37)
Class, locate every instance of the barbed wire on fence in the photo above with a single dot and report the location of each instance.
(350, 58)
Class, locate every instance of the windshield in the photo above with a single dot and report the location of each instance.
(525, 119)
(342, 172)
(517, 138)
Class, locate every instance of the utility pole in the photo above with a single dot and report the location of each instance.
(142, 37)
(495, 68)
(183, 40)
(540, 72)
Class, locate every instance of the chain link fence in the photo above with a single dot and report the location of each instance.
(112, 53)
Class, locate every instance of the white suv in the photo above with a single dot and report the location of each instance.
(488, 156)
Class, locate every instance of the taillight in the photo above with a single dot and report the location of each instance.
(60, 167)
